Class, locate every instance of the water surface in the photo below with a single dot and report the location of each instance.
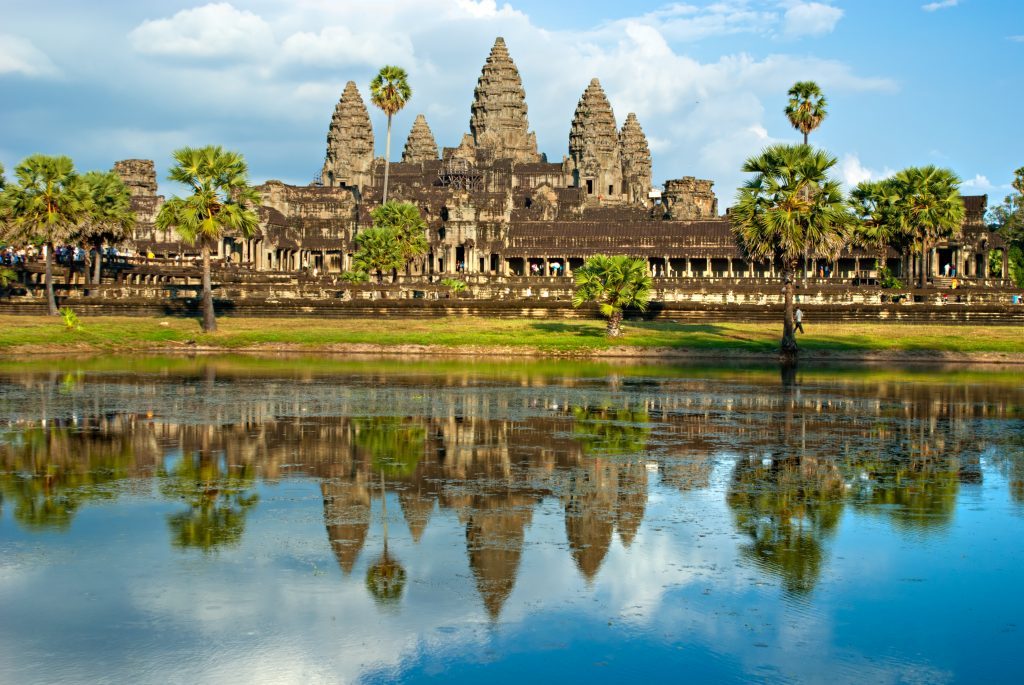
(318, 520)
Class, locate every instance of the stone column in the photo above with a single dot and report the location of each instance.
(1006, 263)
(689, 267)
(707, 268)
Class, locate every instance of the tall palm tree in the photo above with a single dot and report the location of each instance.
(222, 200)
(807, 107)
(878, 227)
(930, 208)
(47, 204)
(615, 283)
(389, 91)
(111, 218)
(789, 209)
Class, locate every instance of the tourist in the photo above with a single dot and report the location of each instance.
(799, 318)
(946, 269)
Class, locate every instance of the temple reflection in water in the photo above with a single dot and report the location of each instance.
(794, 459)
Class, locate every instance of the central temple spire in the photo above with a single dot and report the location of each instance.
(498, 116)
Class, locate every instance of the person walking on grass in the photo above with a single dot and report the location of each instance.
(798, 318)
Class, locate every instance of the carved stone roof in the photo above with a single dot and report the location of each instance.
(636, 154)
(420, 146)
(139, 175)
(594, 133)
(498, 115)
(350, 138)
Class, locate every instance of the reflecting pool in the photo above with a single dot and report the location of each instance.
(298, 520)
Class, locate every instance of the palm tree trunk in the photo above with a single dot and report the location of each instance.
(98, 266)
(209, 316)
(51, 301)
(805, 137)
(615, 324)
(387, 159)
(788, 350)
(923, 283)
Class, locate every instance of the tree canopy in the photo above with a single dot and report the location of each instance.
(807, 107)
(929, 208)
(615, 283)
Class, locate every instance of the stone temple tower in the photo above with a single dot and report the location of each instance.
(498, 115)
(349, 142)
(636, 160)
(420, 146)
(595, 160)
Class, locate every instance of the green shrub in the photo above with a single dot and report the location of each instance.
(355, 276)
(454, 284)
(70, 319)
(888, 280)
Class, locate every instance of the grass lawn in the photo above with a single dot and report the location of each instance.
(128, 334)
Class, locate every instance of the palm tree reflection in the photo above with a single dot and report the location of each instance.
(217, 496)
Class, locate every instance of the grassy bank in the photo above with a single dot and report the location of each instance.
(22, 335)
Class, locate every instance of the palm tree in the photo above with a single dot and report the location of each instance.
(929, 208)
(111, 219)
(48, 203)
(806, 107)
(877, 228)
(221, 201)
(791, 208)
(379, 251)
(615, 283)
(389, 91)
(409, 228)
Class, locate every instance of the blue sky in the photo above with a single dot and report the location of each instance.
(908, 82)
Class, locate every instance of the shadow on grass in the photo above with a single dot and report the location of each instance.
(578, 329)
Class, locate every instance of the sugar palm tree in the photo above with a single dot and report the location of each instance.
(389, 91)
(615, 283)
(221, 201)
(807, 107)
(380, 251)
(929, 207)
(111, 217)
(48, 203)
(877, 227)
(409, 228)
(789, 209)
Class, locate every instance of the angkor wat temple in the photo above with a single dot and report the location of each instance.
(497, 206)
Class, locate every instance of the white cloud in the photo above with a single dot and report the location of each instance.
(811, 19)
(19, 56)
(1016, 39)
(215, 30)
(338, 47)
(852, 171)
(939, 5)
(981, 185)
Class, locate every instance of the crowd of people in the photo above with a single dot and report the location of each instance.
(66, 255)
